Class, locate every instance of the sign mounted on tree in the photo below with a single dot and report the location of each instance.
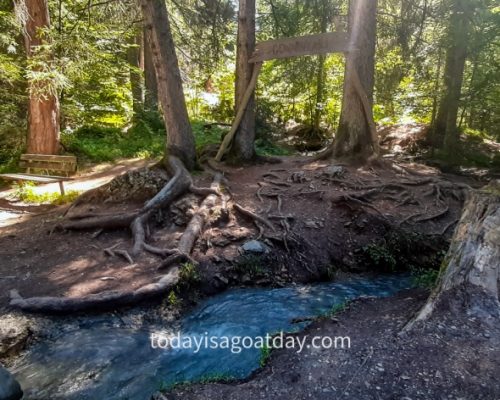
(323, 43)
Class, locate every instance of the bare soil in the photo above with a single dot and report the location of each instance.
(330, 216)
(451, 357)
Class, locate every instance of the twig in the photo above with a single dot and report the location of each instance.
(125, 255)
(368, 356)
(255, 216)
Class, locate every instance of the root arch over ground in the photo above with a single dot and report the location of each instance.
(179, 184)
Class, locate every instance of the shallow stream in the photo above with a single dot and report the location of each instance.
(98, 360)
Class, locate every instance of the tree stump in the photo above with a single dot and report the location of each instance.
(470, 275)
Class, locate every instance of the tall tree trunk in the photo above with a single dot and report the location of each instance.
(320, 77)
(43, 115)
(180, 139)
(470, 277)
(320, 89)
(134, 57)
(150, 86)
(445, 132)
(356, 136)
(243, 144)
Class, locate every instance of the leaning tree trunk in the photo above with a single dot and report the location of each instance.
(243, 144)
(356, 137)
(43, 119)
(180, 139)
(470, 276)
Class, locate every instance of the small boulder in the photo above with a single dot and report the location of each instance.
(254, 246)
(333, 171)
(9, 387)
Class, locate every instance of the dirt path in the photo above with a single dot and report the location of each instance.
(13, 212)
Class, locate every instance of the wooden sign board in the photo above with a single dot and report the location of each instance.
(323, 43)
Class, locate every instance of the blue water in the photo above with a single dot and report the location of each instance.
(99, 361)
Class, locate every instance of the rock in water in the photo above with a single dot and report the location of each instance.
(9, 387)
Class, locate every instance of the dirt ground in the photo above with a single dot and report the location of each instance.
(445, 359)
(326, 217)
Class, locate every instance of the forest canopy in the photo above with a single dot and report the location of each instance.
(91, 69)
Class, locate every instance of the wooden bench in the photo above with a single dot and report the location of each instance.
(63, 165)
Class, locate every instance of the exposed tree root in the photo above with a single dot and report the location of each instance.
(194, 228)
(99, 301)
(179, 184)
(254, 216)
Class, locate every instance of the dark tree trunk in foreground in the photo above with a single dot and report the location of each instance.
(134, 53)
(356, 136)
(470, 277)
(243, 144)
(44, 118)
(180, 139)
(151, 89)
(445, 132)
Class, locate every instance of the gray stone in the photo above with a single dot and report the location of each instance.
(254, 246)
(9, 387)
(333, 171)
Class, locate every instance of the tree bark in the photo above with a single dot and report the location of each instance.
(180, 139)
(444, 131)
(470, 276)
(243, 149)
(321, 76)
(356, 136)
(43, 115)
(151, 89)
(136, 79)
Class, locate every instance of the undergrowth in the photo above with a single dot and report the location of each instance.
(99, 144)
(404, 251)
(265, 355)
(424, 278)
(26, 193)
(205, 379)
(145, 138)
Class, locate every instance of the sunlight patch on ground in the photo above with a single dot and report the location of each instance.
(9, 218)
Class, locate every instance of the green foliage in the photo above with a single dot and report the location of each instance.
(216, 378)
(336, 309)
(425, 278)
(173, 300)
(339, 308)
(189, 275)
(26, 193)
(85, 63)
(205, 379)
(401, 250)
(206, 136)
(249, 264)
(264, 147)
(98, 143)
(265, 355)
(381, 256)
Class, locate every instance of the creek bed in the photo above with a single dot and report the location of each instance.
(99, 360)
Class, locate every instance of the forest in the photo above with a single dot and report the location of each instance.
(205, 199)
